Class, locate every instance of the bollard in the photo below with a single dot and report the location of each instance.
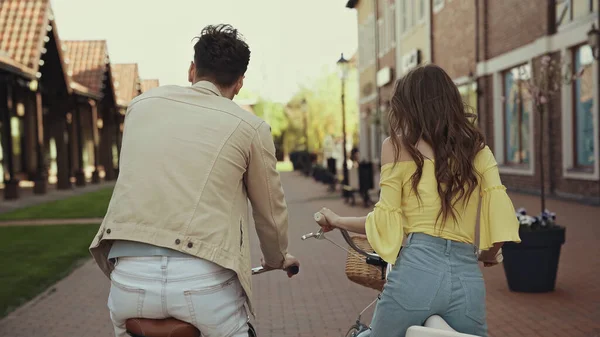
(365, 181)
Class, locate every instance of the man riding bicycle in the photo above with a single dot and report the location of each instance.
(175, 237)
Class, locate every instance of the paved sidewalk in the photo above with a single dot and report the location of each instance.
(322, 302)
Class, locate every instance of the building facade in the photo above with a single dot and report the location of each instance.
(489, 48)
(513, 37)
(376, 21)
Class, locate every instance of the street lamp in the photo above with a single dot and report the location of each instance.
(343, 65)
(304, 106)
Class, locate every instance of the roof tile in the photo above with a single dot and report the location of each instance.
(87, 62)
(126, 81)
(23, 25)
(149, 84)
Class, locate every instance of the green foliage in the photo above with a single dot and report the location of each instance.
(322, 110)
(273, 113)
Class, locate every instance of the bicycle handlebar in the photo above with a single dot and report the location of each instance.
(259, 270)
(320, 234)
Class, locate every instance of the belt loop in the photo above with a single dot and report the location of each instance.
(410, 235)
(164, 261)
(448, 246)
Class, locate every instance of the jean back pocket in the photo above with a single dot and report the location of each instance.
(413, 287)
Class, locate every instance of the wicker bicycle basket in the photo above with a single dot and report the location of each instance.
(357, 269)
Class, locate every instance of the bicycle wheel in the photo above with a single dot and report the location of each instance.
(251, 330)
(353, 332)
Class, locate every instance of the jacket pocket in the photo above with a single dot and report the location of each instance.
(474, 288)
(413, 287)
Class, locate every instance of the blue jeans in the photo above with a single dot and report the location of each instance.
(432, 276)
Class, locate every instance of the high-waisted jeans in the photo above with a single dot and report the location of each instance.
(432, 276)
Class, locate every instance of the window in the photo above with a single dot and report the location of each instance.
(516, 116)
(392, 26)
(382, 40)
(468, 92)
(583, 102)
(569, 10)
(421, 11)
(404, 13)
(366, 41)
(370, 36)
(438, 5)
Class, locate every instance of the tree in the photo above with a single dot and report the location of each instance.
(545, 83)
(323, 108)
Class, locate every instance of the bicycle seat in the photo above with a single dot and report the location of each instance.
(421, 331)
(168, 327)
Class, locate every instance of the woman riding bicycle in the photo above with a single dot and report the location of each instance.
(435, 167)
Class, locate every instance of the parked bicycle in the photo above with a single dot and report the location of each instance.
(171, 327)
(434, 326)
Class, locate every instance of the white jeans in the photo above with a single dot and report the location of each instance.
(189, 289)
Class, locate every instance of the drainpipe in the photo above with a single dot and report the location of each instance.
(431, 28)
(378, 89)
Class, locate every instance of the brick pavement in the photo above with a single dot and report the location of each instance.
(322, 302)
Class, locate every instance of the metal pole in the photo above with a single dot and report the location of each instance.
(345, 182)
(306, 126)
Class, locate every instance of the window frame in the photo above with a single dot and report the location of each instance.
(438, 5)
(520, 112)
(568, 16)
(575, 164)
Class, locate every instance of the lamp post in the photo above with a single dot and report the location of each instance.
(305, 117)
(343, 67)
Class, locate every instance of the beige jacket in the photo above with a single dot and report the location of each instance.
(190, 160)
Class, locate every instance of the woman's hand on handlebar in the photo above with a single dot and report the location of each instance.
(291, 265)
(328, 220)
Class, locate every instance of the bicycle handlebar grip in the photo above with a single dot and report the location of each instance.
(318, 216)
(294, 269)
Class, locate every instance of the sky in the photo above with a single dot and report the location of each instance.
(291, 42)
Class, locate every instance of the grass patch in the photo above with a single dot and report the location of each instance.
(89, 205)
(35, 257)
(285, 166)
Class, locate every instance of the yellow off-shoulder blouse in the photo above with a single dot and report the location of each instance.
(399, 213)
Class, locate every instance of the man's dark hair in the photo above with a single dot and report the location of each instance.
(221, 55)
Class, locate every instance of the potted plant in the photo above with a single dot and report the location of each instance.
(532, 265)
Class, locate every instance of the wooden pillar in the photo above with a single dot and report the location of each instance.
(58, 130)
(107, 144)
(29, 150)
(41, 178)
(11, 184)
(118, 140)
(77, 129)
(96, 138)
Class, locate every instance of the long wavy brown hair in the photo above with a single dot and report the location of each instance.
(428, 107)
